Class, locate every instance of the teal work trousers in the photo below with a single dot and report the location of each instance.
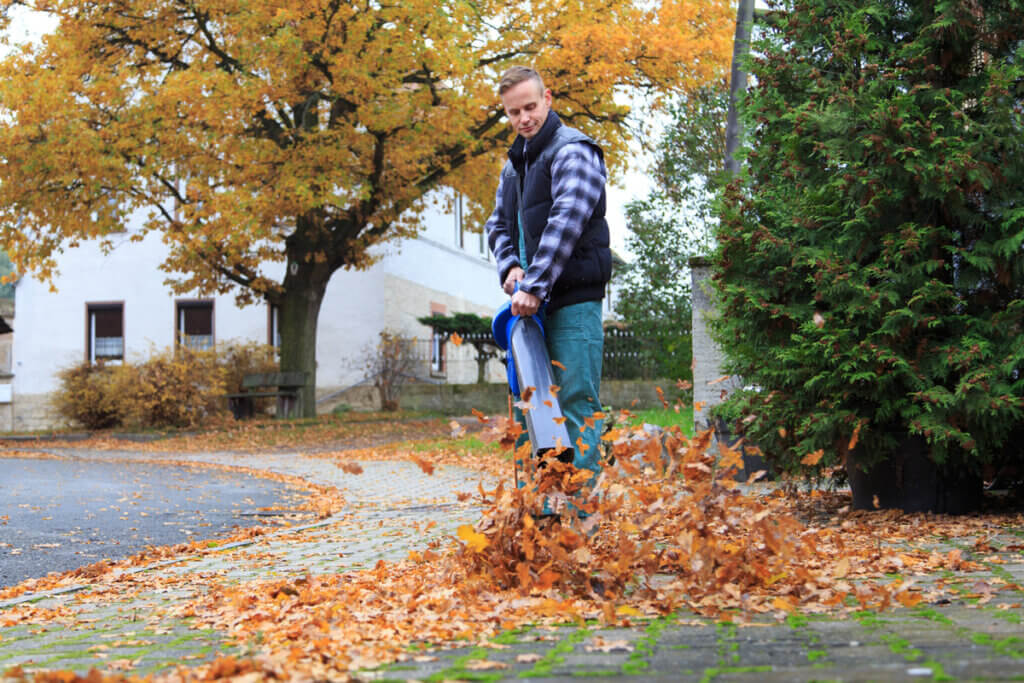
(575, 340)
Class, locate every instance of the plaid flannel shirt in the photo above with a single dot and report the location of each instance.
(578, 178)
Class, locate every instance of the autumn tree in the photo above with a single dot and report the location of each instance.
(265, 137)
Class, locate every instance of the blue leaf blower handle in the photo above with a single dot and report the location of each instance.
(501, 330)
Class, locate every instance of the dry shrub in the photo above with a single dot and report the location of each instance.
(174, 388)
(89, 395)
(390, 364)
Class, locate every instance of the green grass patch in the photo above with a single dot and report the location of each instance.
(468, 443)
(665, 417)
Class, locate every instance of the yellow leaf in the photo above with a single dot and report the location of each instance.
(813, 458)
(627, 611)
(783, 604)
(456, 339)
(474, 541)
(908, 599)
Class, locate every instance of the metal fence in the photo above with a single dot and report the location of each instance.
(625, 357)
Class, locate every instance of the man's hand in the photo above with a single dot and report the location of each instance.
(524, 304)
(515, 274)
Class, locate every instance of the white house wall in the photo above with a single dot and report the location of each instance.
(414, 278)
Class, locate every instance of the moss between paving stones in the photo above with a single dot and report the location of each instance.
(556, 655)
(458, 669)
(713, 672)
(82, 651)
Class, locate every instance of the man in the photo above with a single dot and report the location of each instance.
(548, 234)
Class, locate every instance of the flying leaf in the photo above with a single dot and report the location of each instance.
(474, 541)
(558, 365)
(480, 416)
(351, 467)
(855, 436)
(661, 396)
(456, 339)
(524, 406)
(425, 465)
(813, 458)
(819, 320)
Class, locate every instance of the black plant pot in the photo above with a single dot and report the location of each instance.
(753, 461)
(911, 481)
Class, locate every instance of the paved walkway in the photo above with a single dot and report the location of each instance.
(977, 637)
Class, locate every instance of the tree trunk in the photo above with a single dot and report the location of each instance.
(305, 283)
(481, 365)
(297, 317)
(908, 479)
(738, 83)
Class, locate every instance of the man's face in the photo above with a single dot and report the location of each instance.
(526, 107)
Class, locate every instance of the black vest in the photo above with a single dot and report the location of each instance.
(590, 266)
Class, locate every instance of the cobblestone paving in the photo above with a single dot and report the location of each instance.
(974, 637)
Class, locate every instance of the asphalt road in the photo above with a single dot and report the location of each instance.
(57, 515)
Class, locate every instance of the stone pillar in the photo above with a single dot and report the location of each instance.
(709, 389)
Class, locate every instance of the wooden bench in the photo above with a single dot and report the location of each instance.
(287, 388)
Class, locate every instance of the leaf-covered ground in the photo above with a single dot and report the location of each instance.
(665, 529)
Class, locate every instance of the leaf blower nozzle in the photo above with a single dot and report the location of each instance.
(530, 379)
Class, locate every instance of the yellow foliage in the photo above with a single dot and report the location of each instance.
(251, 122)
(174, 387)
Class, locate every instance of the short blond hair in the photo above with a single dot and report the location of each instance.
(514, 75)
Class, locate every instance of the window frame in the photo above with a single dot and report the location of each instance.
(180, 306)
(91, 307)
(274, 326)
